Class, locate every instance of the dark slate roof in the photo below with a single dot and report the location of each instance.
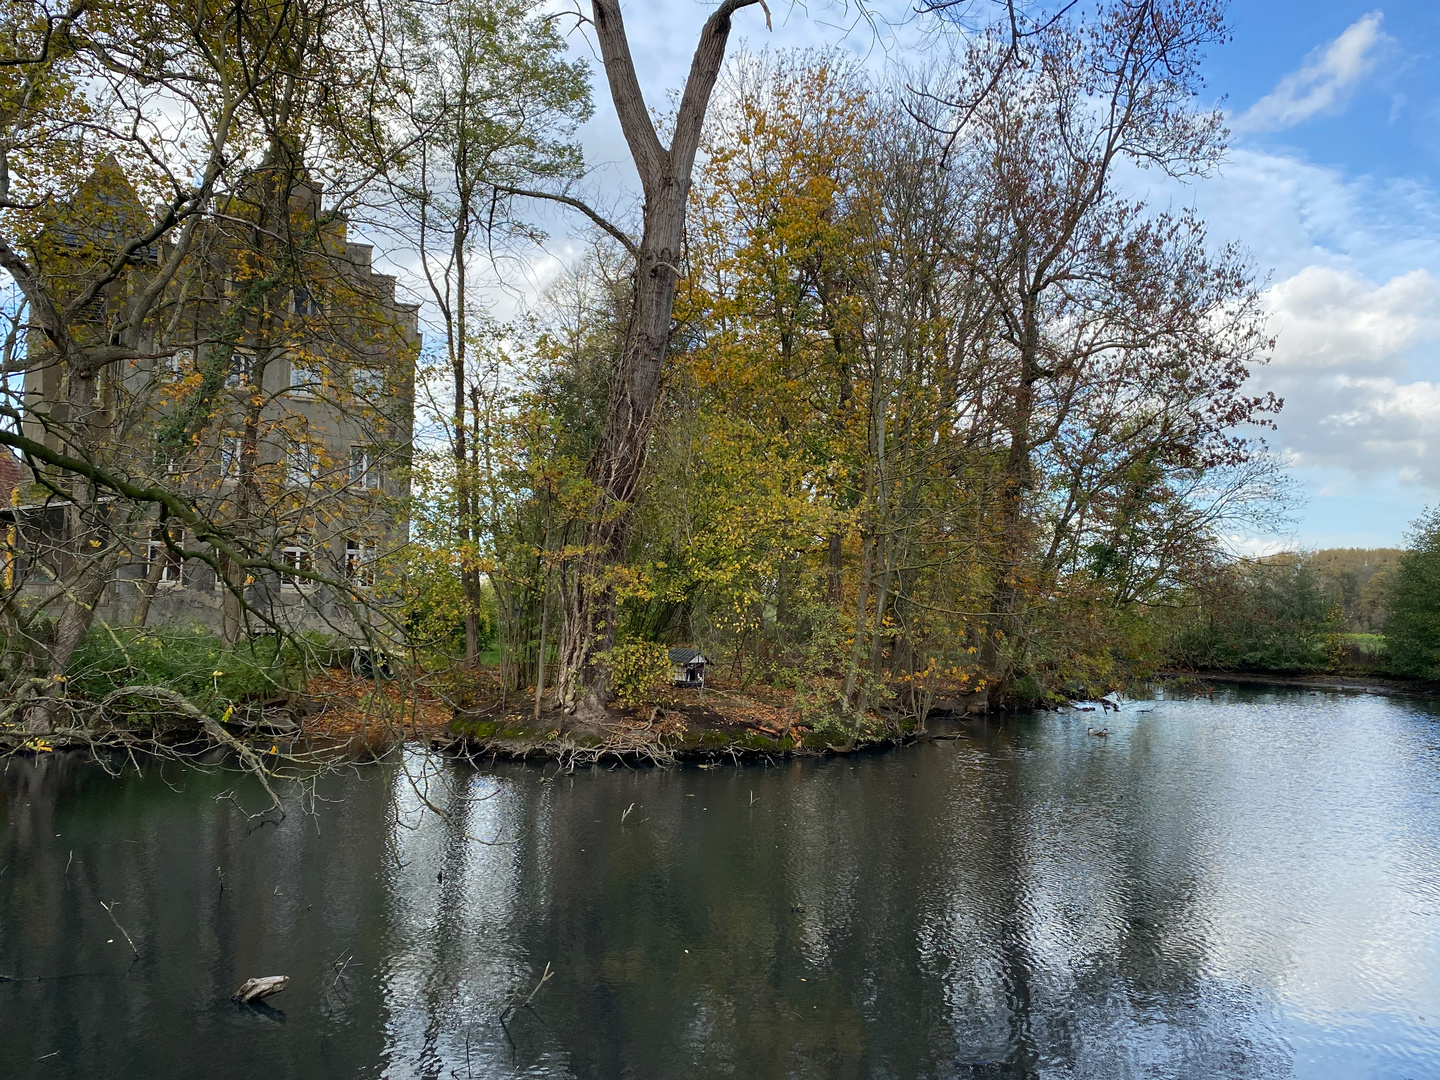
(684, 655)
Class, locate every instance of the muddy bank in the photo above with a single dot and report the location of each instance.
(725, 726)
(1352, 684)
(691, 733)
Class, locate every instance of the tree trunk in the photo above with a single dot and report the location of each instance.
(588, 604)
(589, 610)
(151, 582)
(1004, 601)
(91, 561)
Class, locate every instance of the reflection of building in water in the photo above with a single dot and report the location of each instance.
(210, 898)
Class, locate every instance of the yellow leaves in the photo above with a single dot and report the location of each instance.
(39, 746)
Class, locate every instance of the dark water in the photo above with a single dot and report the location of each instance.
(1248, 887)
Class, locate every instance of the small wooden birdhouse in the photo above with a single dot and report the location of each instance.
(687, 667)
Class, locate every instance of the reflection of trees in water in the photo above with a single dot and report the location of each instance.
(294, 898)
(452, 915)
(1022, 903)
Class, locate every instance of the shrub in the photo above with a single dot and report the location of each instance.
(637, 670)
(193, 663)
(1271, 615)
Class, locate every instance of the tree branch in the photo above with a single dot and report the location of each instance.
(565, 200)
(704, 70)
(629, 102)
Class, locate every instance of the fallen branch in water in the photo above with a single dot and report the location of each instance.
(516, 1003)
(178, 702)
(110, 910)
(255, 989)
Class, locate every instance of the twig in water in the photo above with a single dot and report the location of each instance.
(340, 967)
(67, 864)
(626, 813)
(753, 800)
(109, 910)
(516, 1003)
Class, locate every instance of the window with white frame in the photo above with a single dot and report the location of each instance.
(305, 375)
(364, 468)
(368, 382)
(360, 562)
(296, 557)
(157, 551)
(241, 371)
(96, 389)
(303, 302)
(304, 464)
(231, 449)
(175, 365)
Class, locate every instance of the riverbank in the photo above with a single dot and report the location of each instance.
(685, 725)
(1382, 685)
(341, 714)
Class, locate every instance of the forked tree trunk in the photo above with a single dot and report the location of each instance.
(588, 602)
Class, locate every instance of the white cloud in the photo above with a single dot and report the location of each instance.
(1344, 346)
(1328, 318)
(1323, 84)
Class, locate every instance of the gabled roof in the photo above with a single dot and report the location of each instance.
(685, 655)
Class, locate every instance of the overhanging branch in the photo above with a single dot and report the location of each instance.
(576, 204)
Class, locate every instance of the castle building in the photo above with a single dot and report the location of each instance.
(269, 383)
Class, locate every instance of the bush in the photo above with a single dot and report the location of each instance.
(1272, 615)
(1412, 631)
(434, 604)
(637, 670)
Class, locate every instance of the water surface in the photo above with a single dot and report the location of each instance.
(1248, 887)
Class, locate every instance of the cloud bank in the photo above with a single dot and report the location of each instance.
(1344, 349)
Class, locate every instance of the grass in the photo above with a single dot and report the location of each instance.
(191, 662)
(1367, 645)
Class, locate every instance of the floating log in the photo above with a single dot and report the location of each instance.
(255, 989)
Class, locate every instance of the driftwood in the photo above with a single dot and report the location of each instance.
(255, 989)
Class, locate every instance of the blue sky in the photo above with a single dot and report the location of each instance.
(1331, 186)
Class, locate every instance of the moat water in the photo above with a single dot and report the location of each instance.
(1243, 887)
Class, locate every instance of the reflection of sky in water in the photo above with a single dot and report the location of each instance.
(1216, 889)
(1248, 887)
